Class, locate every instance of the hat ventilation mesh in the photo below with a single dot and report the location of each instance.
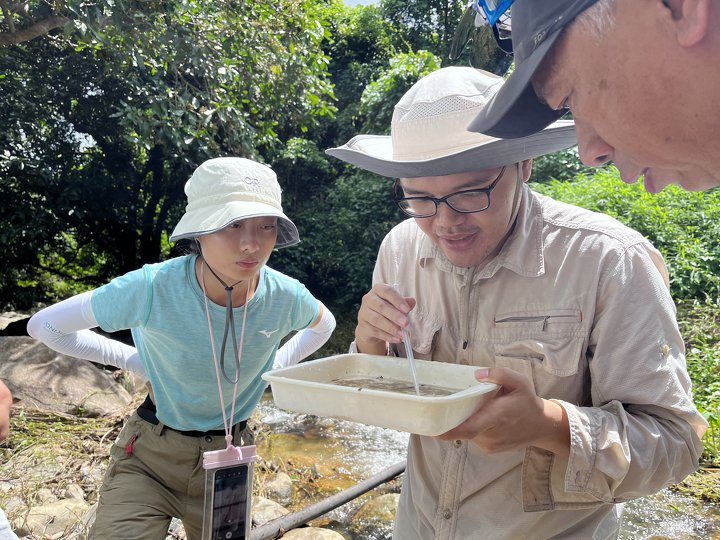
(447, 105)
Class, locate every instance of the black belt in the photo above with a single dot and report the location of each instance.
(148, 412)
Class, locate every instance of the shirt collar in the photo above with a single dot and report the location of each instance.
(522, 252)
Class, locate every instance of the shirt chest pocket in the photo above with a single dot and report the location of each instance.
(547, 345)
(423, 333)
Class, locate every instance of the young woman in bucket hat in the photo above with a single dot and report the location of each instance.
(206, 326)
(567, 310)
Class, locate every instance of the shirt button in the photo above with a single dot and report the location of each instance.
(457, 443)
(447, 513)
(208, 438)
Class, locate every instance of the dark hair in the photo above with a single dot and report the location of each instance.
(186, 246)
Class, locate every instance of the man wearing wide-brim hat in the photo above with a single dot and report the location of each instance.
(567, 310)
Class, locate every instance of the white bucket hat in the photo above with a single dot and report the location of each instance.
(224, 190)
(429, 136)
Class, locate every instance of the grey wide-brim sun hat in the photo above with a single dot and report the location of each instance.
(227, 189)
(429, 136)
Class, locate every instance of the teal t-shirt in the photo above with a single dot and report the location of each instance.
(163, 306)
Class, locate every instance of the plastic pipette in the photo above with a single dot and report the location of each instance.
(409, 353)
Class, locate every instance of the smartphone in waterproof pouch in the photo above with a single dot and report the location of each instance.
(228, 493)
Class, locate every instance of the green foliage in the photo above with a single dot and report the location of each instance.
(223, 76)
(429, 24)
(379, 98)
(476, 46)
(683, 225)
(360, 45)
(563, 165)
(699, 323)
(304, 172)
(440, 26)
(340, 239)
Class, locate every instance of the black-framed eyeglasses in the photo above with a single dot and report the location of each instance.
(467, 201)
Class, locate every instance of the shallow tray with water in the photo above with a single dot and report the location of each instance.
(378, 390)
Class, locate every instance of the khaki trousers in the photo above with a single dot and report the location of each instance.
(154, 474)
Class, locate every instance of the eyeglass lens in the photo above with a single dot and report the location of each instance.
(464, 201)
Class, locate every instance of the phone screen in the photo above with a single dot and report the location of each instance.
(230, 504)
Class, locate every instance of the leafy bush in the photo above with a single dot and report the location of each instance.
(564, 165)
(340, 239)
(380, 96)
(699, 323)
(684, 226)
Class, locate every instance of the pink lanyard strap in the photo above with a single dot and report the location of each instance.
(226, 423)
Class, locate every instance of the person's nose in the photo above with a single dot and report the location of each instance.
(592, 148)
(248, 240)
(447, 217)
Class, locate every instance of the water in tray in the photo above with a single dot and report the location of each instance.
(393, 385)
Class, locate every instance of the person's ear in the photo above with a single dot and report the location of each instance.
(691, 18)
(525, 169)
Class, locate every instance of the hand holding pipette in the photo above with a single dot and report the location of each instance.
(382, 317)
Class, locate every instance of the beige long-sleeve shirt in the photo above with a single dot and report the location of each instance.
(578, 303)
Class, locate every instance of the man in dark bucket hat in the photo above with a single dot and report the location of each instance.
(639, 76)
(567, 310)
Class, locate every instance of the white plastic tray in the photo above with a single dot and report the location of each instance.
(309, 388)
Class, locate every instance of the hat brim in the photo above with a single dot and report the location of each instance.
(374, 153)
(515, 110)
(202, 222)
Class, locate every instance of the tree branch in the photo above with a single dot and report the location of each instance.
(36, 30)
(8, 16)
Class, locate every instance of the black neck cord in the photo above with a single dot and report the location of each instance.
(229, 325)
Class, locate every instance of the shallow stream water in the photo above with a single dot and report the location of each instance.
(344, 452)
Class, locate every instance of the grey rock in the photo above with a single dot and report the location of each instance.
(380, 508)
(73, 491)
(280, 488)
(312, 533)
(45, 496)
(376, 515)
(15, 504)
(41, 378)
(55, 518)
(264, 510)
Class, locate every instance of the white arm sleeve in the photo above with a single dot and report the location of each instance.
(306, 341)
(65, 328)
